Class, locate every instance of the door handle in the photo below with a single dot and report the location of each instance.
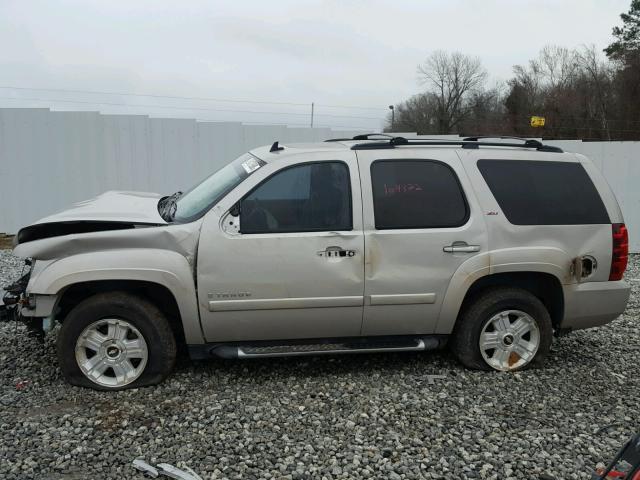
(336, 252)
(461, 247)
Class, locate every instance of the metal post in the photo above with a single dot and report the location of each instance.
(393, 116)
(312, 114)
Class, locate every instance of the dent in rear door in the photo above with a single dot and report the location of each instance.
(407, 270)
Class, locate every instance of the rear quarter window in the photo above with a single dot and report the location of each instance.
(532, 192)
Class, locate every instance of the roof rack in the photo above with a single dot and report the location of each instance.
(475, 138)
(364, 136)
(469, 142)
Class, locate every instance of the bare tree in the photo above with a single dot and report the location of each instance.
(600, 75)
(452, 78)
(529, 82)
(572, 89)
(487, 112)
(415, 115)
(558, 65)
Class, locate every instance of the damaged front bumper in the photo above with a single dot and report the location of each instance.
(14, 300)
(12, 296)
(8, 305)
(34, 311)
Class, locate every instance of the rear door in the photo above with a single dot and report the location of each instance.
(421, 223)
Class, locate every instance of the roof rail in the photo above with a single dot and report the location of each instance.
(475, 138)
(470, 142)
(364, 136)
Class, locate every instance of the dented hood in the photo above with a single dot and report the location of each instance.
(107, 212)
(130, 207)
(113, 220)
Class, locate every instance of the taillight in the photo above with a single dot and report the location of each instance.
(620, 251)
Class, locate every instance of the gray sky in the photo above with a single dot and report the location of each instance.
(338, 53)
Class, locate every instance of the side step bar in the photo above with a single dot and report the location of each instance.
(264, 349)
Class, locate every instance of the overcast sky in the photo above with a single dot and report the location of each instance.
(338, 53)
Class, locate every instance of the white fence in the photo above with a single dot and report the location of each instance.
(49, 160)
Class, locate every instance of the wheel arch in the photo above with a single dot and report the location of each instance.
(159, 275)
(546, 286)
(155, 293)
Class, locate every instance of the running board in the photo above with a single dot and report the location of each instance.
(264, 349)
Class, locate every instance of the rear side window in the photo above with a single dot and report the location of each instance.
(416, 194)
(544, 193)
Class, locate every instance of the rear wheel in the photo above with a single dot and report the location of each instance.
(114, 341)
(503, 329)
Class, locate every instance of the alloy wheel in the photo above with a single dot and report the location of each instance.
(509, 340)
(111, 352)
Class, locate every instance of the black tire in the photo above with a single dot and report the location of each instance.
(465, 342)
(143, 315)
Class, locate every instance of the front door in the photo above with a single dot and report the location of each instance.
(281, 257)
(421, 224)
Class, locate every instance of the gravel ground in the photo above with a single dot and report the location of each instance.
(362, 416)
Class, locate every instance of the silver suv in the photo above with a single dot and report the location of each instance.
(362, 245)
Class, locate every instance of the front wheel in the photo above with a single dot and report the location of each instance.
(503, 329)
(114, 341)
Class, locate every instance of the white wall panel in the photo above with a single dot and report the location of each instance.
(49, 160)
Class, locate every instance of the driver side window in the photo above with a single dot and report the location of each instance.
(312, 197)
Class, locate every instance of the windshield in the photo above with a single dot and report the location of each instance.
(195, 202)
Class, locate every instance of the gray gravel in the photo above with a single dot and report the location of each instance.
(363, 416)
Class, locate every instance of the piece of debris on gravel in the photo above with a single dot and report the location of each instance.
(5, 241)
(363, 416)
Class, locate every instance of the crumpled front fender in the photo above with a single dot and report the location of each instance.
(167, 268)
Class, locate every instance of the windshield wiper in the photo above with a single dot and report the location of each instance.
(167, 206)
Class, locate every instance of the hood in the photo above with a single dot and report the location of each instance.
(133, 207)
(109, 211)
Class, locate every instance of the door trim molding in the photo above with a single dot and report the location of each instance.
(284, 303)
(402, 299)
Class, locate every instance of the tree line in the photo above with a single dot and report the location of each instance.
(581, 93)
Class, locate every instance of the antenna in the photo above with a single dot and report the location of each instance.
(275, 147)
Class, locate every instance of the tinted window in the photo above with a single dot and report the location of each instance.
(544, 193)
(416, 194)
(309, 197)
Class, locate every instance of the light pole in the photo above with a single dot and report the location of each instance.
(393, 114)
